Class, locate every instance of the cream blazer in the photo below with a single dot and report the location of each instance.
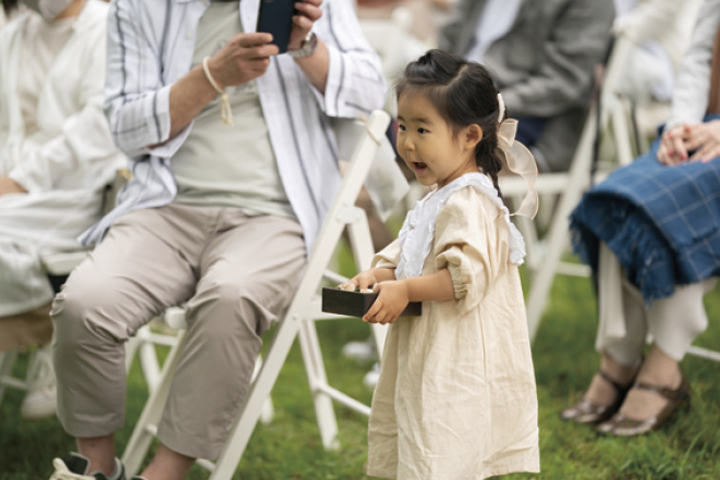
(64, 166)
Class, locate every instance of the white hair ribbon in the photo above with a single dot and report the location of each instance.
(518, 161)
(501, 108)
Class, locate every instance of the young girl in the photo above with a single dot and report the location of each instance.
(456, 396)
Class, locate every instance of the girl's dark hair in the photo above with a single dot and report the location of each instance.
(464, 94)
(9, 6)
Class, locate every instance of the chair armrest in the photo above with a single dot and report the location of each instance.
(175, 318)
(62, 263)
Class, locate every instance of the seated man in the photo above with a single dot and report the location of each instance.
(227, 196)
(56, 155)
(543, 55)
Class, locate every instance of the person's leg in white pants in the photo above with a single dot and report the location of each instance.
(673, 324)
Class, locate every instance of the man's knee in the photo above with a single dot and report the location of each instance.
(228, 310)
(84, 310)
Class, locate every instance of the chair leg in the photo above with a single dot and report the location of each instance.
(131, 348)
(148, 360)
(621, 134)
(315, 369)
(363, 253)
(146, 427)
(558, 235)
(143, 344)
(268, 410)
(7, 361)
(33, 366)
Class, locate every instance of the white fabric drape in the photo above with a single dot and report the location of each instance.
(63, 165)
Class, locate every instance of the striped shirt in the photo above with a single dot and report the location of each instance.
(150, 47)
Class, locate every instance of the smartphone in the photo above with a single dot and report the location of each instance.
(275, 17)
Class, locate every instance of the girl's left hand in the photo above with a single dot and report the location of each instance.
(391, 301)
(308, 13)
(704, 138)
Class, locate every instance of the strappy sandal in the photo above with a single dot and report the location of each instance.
(620, 425)
(587, 412)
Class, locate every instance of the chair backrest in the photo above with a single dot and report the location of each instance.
(544, 263)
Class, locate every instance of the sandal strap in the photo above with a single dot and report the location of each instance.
(665, 392)
(618, 387)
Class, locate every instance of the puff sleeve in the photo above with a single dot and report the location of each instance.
(471, 241)
(388, 257)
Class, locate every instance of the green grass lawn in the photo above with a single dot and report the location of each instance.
(290, 448)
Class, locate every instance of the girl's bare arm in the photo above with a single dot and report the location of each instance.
(437, 286)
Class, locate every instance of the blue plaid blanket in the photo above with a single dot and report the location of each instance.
(662, 223)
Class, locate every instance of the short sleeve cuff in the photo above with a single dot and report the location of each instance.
(466, 291)
(388, 257)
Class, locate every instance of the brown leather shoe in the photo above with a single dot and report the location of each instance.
(587, 412)
(620, 425)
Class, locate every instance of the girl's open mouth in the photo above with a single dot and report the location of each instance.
(419, 166)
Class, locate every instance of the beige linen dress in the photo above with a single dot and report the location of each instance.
(456, 397)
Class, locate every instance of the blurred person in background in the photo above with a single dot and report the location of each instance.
(426, 16)
(56, 156)
(652, 235)
(660, 33)
(543, 55)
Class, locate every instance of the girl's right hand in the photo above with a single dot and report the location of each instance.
(392, 299)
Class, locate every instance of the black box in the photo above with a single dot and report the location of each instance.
(356, 304)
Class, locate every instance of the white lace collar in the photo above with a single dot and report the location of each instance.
(418, 230)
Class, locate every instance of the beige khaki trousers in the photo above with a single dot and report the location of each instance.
(625, 320)
(236, 274)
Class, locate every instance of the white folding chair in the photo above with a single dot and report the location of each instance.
(296, 321)
(544, 259)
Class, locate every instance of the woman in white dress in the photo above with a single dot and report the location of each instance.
(56, 156)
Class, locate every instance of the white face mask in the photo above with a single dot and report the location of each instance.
(49, 9)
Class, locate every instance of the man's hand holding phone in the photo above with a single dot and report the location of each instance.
(308, 12)
(247, 55)
(244, 58)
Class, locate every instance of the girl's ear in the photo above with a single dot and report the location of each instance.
(472, 135)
